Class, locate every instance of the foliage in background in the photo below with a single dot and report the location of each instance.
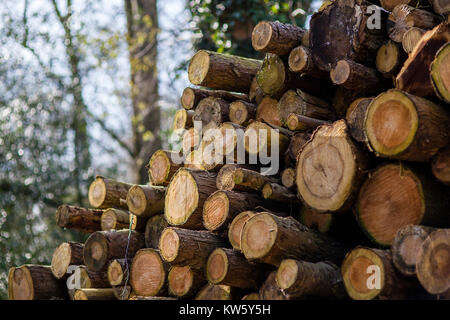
(226, 26)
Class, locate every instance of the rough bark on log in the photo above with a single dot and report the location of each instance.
(154, 228)
(114, 219)
(355, 76)
(222, 71)
(274, 191)
(107, 193)
(404, 17)
(267, 111)
(411, 38)
(276, 37)
(390, 58)
(259, 136)
(389, 5)
(146, 201)
(118, 271)
(343, 98)
(439, 73)
(369, 274)
(192, 96)
(95, 294)
(34, 282)
(184, 247)
(256, 94)
(229, 267)
(301, 279)
(406, 246)
(356, 114)
(242, 112)
(270, 239)
(80, 219)
(433, 263)
(414, 76)
(66, 254)
(394, 196)
(185, 197)
(298, 122)
(441, 7)
(233, 177)
(148, 273)
(212, 112)
(102, 246)
(91, 279)
(330, 169)
(122, 292)
(356, 39)
(297, 143)
(402, 126)
(270, 289)
(301, 61)
(184, 282)
(441, 165)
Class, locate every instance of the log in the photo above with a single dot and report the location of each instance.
(414, 76)
(276, 37)
(233, 177)
(190, 141)
(146, 201)
(251, 296)
(182, 119)
(433, 263)
(411, 38)
(222, 71)
(406, 246)
(394, 196)
(390, 58)
(66, 254)
(301, 279)
(114, 219)
(288, 178)
(301, 61)
(363, 266)
(258, 139)
(242, 112)
(269, 239)
(439, 74)
(212, 112)
(330, 169)
(256, 94)
(441, 165)
(80, 219)
(355, 76)
(357, 39)
(402, 126)
(154, 228)
(95, 294)
(404, 17)
(184, 282)
(184, 247)
(301, 103)
(102, 246)
(186, 195)
(274, 191)
(230, 146)
(192, 96)
(355, 116)
(236, 227)
(222, 206)
(90, 279)
(229, 267)
(118, 272)
(215, 292)
(148, 273)
(152, 298)
(389, 5)
(107, 193)
(441, 7)
(274, 78)
(267, 111)
(270, 289)
(343, 98)
(194, 160)
(297, 143)
(122, 292)
(34, 282)
(298, 122)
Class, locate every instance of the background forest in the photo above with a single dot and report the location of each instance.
(89, 87)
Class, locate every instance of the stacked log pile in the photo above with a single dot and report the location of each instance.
(354, 117)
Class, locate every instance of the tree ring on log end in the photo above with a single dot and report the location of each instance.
(298, 59)
(180, 280)
(20, 284)
(108, 220)
(272, 76)
(95, 251)
(61, 260)
(115, 273)
(198, 67)
(169, 244)
(236, 227)
(261, 35)
(355, 273)
(287, 273)
(216, 210)
(97, 192)
(391, 123)
(147, 272)
(440, 73)
(159, 167)
(391, 198)
(258, 236)
(217, 266)
(188, 98)
(181, 198)
(340, 73)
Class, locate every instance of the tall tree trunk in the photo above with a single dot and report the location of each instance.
(142, 23)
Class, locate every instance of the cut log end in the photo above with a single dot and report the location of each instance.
(113, 219)
(148, 274)
(97, 192)
(298, 59)
(433, 263)
(258, 236)
(410, 38)
(180, 280)
(288, 177)
(217, 266)
(169, 244)
(236, 227)
(341, 72)
(94, 294)
(199, 67)
(115, 273)
(261, 36)
(20, 284)
(441, 165)
(287, 273)
(215, 210)
(440, 73)
(96, 251)
(188, 98)
(182, 119)
(159, 167)
(61, 260)
(388, 59)
(271, 78)
(136, 200)
(239, 112)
